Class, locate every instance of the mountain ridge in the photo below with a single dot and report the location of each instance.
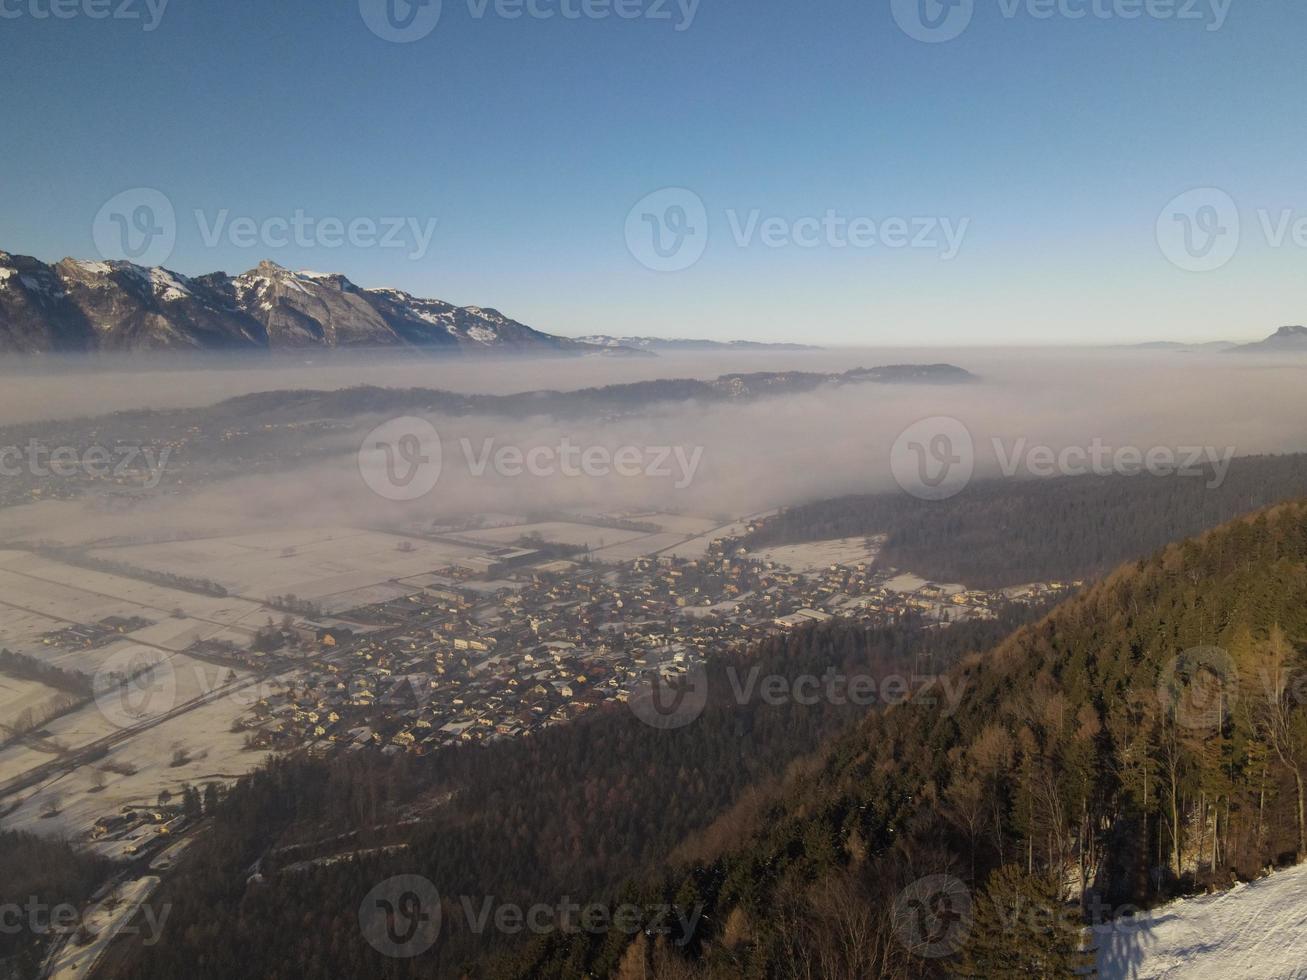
(1293, 338)
(82, 306)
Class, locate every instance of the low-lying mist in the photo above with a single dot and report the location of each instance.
(727, 460)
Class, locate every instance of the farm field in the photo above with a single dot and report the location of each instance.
(311, 563)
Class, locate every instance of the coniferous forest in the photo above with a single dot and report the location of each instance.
(1008, 532)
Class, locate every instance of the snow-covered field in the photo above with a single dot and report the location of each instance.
(213, 751)
(815, 556)
(1255, 931)
(311, 563)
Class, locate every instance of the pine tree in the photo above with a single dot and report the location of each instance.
(1021, 928)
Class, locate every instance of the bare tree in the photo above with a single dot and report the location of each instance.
(1282, 722)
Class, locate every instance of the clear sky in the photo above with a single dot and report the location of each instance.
(1035, 158)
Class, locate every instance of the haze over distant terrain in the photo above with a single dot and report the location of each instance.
(754, 455)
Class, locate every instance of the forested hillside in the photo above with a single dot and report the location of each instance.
(998, 533)
(1147, 738)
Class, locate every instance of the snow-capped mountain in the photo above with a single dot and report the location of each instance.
(88, 306)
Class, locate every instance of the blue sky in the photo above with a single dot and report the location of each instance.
(1050, 146)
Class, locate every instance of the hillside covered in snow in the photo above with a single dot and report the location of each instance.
(1254, 931)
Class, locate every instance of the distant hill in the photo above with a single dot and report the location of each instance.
(587, 402)
(677, 344)
(1285, 339)
(117, 306)
(1175, 345)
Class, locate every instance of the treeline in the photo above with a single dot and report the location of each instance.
(24, 667)
(1147, 739)
(74, 687)
(292, 603)
(572, 811)
(169, 580)
(998, 533)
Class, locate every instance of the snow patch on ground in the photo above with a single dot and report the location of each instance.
(1254, 931)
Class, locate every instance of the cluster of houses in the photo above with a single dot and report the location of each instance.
(135, 829)
(95, 635)
(460, 661)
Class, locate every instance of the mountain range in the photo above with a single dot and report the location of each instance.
(1284, 339)
(117, 306)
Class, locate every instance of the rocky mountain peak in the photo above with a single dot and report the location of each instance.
(113, 305)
